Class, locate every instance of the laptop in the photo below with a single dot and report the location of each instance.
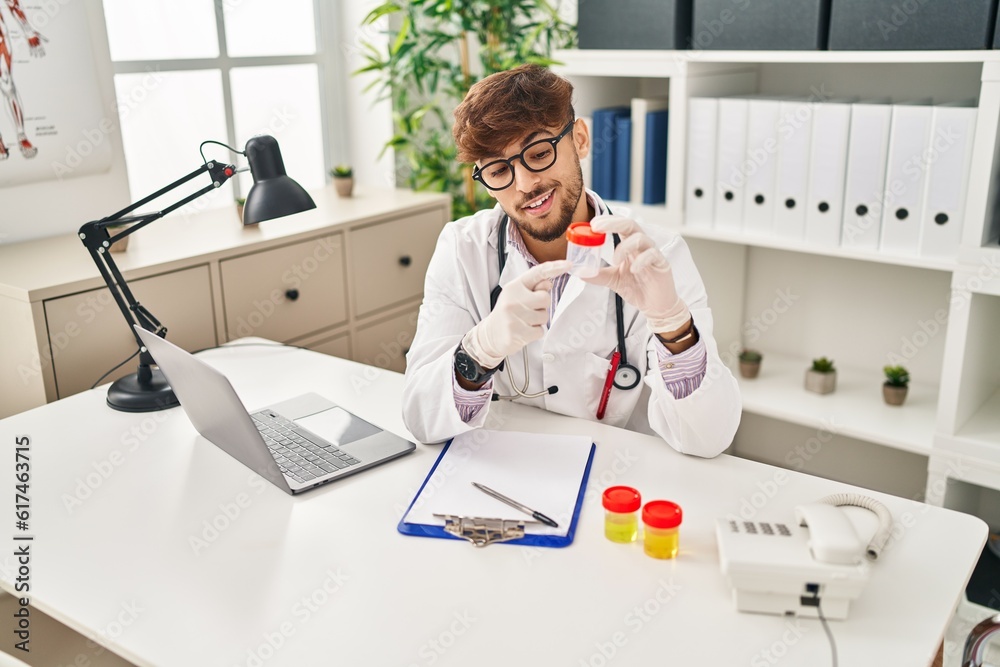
(296, 445)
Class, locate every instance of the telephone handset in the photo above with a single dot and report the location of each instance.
(788, 567)
(832, 537)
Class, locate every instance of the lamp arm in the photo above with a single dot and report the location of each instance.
(98, 241)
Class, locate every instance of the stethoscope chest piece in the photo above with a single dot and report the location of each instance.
(627, 377)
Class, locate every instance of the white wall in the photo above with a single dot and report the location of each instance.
(54, 207)
(370, 125)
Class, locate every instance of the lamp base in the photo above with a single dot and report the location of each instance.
(127, 394)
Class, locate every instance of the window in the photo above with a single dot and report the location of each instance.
(191, 70)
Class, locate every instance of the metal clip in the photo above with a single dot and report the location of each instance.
(483, 531)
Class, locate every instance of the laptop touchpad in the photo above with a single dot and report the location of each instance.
(338, 426)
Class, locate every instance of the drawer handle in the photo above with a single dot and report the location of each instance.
(292, 294)
(405, 260)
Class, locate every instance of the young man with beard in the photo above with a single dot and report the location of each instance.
(550, 337)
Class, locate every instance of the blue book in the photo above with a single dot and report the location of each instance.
(654, 187)
(603, 149)
(623, 158)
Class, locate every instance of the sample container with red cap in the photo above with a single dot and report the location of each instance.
(621, 517)
(661, 521)
(584, 249)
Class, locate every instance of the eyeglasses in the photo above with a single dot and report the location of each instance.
(536, 156)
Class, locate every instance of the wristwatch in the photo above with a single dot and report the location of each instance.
(469, 369)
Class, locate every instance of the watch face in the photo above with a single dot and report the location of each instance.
(466, 366)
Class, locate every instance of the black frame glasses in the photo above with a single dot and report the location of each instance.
(477, 173)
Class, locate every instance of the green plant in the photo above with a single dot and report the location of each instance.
(751, 356)
(427, 70)
(823, 365)
(240, 201)
(342, 171)
(896, 376)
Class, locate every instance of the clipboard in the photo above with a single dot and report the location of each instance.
(506, 528)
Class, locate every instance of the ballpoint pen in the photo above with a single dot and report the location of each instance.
(516, 505)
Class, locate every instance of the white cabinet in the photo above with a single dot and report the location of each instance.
(796, 301)
(209, 280)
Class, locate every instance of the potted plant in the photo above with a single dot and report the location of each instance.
(897, 381)
(343, 179)
(750, 363)
(240, 201)
(822, 377)
(420, 73)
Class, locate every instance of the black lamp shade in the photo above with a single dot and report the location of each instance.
(273, 194)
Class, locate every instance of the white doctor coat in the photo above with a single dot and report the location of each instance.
(573, 355)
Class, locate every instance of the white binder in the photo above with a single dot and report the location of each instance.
(905, 178)
(795, 128)
(865, 181)
(953, 129)
(699, 195)
(730, 174)
(827, 170)
(761, 165)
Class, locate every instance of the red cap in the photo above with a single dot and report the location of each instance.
(661, 514)
(621, 499)
(580, 233)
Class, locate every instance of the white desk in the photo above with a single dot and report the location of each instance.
(400, 600)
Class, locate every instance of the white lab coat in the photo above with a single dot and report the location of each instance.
(574, 354)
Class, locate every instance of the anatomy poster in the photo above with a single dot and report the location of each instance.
(52, 125)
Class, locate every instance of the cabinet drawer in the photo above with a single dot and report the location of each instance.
(286, 292)
(385, 344)
(337, 346)
(390, 260)
(88, 334)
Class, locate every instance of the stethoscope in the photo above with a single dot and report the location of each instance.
(625, 375)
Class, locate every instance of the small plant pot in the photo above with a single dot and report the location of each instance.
(821, 383)
(344, 186)
(239, 211)
(749, 369)
(893, 395)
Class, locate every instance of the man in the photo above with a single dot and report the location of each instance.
(555, 334)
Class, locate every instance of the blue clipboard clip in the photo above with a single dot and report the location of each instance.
(483, 531)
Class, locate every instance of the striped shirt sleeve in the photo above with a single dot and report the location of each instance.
(682, 372)
(469, 402)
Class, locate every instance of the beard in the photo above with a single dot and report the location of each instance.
(558, 221)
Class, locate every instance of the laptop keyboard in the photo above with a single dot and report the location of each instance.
(296, 456)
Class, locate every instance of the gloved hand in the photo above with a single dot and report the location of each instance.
(641, 275)
(518, 318)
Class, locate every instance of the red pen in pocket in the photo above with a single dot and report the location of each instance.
(608, 383)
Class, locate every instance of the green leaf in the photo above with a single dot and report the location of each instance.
(380, 11)
(401, 37)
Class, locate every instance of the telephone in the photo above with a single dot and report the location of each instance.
(791, 567)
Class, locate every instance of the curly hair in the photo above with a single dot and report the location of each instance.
(508, 105)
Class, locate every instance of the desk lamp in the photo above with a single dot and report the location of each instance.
(273, 195)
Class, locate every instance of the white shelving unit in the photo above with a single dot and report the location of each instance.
(940, 316)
